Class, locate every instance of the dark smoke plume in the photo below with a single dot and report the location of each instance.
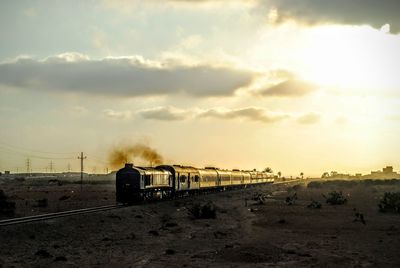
(126, 154)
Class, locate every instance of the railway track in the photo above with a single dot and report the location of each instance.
(289, 181)
(54, 215)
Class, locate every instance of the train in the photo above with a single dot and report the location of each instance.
(135, 183)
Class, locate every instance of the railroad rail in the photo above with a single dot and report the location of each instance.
(289, 181)
(54, 215)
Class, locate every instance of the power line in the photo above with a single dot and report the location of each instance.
(31, 150)
(7, 150)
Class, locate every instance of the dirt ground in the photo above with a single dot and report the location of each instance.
(245, 232)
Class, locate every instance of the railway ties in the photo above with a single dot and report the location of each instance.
(54, 215)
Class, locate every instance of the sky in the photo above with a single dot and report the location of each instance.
(299, 86)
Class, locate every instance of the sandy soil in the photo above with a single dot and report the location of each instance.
(27, 196)
(244, 234)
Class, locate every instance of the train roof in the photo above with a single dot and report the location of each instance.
(179, 168)
(142, 170)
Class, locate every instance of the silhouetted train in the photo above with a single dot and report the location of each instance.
(141, 183)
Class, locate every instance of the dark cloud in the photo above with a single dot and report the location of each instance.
(164, 113)
(249, 113)
(128, 77)
(289, 88)
(373, 12)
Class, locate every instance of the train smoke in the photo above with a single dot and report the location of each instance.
(124, 154)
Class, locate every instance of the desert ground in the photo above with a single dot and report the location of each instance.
(256, 227)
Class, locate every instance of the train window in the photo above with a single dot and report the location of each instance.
(196, 178)
(146, 179)
(182, 178)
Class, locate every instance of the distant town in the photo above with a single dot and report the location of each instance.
(386, 173)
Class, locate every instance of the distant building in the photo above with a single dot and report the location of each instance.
(388, 169)
(386, 173)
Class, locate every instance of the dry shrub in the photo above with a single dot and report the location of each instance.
(335, 198)
(359, 217)
(314, 204)
(290, 200)
(6, 207)
(390, 202)
(259, 198)
(205, 211)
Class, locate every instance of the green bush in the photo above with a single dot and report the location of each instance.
(390, 202)
(335, 198)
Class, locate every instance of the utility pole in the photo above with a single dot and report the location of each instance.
(81, 157)
(28, 166)
(51, 166)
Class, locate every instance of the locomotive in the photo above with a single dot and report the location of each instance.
(142, 183)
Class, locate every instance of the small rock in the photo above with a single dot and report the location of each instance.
(154, 232)
(131, 236)
(171, 224)
(303, 254)
(219, 234)
(60, 258)
(43, 253)
(114, 217)
(64, 197)
(170, 252)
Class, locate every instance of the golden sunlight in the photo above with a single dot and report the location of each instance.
(351, 57)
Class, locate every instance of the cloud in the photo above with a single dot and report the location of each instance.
(167, 113)
(249, 113)
(129, 6)
(123, 76)
(308, 119)
(358, 12)
(355, 12)
(117, 114)
(255, 114)
(79, 109)
(289, 88)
